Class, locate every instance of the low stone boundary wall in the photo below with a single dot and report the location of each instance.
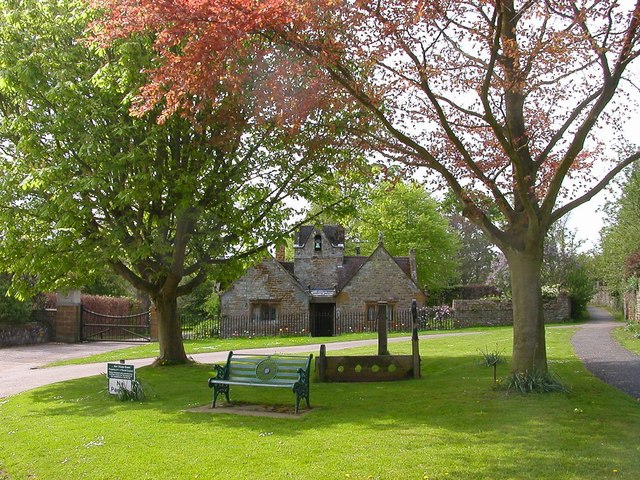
(478, 313)
(24, 334)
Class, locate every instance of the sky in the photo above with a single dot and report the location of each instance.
(588, 219)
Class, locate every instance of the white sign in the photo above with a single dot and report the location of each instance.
(120, 376)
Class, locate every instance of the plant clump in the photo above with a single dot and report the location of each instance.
(534, 382)
(136, 394)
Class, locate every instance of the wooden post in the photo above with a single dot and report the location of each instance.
(322, 362)
(415, 342)
(382, 329)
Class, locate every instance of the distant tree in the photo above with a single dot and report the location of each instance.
(620, 236)
(107, 283)
(476, 254)
(408, 219)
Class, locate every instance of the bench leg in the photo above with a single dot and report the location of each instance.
(217, 390)
(302, 391)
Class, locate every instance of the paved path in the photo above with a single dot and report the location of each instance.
(603, 356)
(19, 366)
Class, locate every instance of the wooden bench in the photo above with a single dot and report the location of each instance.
(279, 371)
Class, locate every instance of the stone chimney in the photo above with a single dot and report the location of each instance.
(413, 266)
(280, 250)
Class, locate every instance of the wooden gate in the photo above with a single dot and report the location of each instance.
(97, 327)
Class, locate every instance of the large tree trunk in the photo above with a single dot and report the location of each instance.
(529, 351)
(169, 332)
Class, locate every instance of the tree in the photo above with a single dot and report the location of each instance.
(162, 199)
(620, 237)
(566, 268)
(501, 98)
(476, 254)
(504, 98)
(409, 219)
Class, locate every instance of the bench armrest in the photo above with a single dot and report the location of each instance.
(303, 376)
(221, 373)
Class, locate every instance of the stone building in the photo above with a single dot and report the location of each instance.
(323, 285)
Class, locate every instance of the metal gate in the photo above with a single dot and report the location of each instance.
(96, 327)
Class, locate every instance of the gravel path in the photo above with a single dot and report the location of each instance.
(603, 356)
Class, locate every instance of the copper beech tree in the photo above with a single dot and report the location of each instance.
(516, 104)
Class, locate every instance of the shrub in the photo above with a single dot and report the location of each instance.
(581, 288)
(136, 394)
(12, 310)
(119, 306)
(435, 318)
(492, 357)
(534, 382)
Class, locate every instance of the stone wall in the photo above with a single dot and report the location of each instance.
(473, 313)
(24, 334)
(603, 298)
(318, 269)
(266, 282)
(379, 280)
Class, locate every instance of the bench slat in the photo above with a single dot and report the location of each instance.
(250, 384)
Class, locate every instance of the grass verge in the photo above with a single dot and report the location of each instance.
(449, 424)
(192, 347)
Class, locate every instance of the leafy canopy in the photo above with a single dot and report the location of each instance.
(409, 219)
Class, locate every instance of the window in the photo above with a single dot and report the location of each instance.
(264, 311)
(317, 243)
(375, 309)
(371, 312)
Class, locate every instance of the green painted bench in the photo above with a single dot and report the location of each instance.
(279, 371)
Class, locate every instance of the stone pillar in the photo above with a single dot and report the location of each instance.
(153, 324)
(68, 323)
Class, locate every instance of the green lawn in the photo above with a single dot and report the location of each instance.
(448, 425)
(626, 336)
(150, 350)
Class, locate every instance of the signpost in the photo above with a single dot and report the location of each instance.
(120, 376)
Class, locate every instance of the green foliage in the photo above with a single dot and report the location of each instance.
(492, 357)
(533, 382)
(12, 310)
(85, 185)
(581, 287)
(107, 283)
(620, 237)
(408, 218)
(633, 328)
(203, 302)
(136, 394)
